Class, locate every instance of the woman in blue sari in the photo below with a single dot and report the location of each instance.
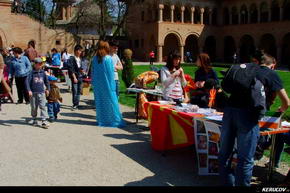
(106, 100)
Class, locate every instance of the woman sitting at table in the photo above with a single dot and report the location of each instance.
(205, 75)
(204, 71)
(172, 79)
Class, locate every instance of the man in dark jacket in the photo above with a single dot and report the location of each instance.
(75, 73)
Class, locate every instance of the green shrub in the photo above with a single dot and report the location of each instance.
(128, 71)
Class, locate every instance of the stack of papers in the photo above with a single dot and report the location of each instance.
(285, 124)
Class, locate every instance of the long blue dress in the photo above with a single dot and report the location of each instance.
(106, 100)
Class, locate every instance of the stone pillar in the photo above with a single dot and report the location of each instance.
(181, 48)
(201, 15)
(192, 15)
(269, 14)
(67, 13)
(239, 17)
(63, 13)
(161, 7)
(210, 16)
(159, 53)
(172, 13)
(182, 14)
(259, 15)
(279, 54)
(281, 13)
(231, 18)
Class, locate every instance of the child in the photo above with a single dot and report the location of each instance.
(38, 87)
(53, 106)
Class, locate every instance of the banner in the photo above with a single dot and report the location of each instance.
(207, 146)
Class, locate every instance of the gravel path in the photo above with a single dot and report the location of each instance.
(75, 152)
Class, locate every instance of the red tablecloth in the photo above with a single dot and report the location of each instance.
(169, 129)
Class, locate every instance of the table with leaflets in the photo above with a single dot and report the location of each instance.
(138, 91)
(175, 127)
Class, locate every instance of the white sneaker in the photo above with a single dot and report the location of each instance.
(44, 125)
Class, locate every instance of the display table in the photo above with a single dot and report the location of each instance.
(171, 129)
(138, 91)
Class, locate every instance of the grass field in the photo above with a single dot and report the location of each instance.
(129, 99)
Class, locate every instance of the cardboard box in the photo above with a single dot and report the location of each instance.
(86, 89)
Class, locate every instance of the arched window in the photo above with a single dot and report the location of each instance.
(235, 16)
(275, 11)
(191, 48)
(268, 44)
(214, 16)
(264, 12)
(253, 13)
(206, 16)
(229, 49)
(247, 48)
(187, 15)
(166, 13)
(286, 11)
(171, 43)
(210, 47)
(244, 14)
(177, 13)
(197, 15)
(286, 50)
(226, 16)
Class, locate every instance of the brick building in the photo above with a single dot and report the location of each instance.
(218, 27)
(18, 30)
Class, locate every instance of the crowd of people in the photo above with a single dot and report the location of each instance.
(36, 77)
(239, 122)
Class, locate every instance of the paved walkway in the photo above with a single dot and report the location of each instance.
(75, 152)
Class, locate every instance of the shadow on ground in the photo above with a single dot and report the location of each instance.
(176, 168)
(260, 173)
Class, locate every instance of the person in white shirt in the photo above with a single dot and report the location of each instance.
(114, 46)
(173, 79)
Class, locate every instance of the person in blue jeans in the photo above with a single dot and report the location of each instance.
(239, 122)
(280, 141)
(75, 72)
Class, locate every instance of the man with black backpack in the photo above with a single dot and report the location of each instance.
(246, 105)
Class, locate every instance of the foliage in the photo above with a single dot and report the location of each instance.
(36, 9)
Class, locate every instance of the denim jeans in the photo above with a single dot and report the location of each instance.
(238, 124)
(53, 109)
(76, 92)
(281, 139)
(38, 100)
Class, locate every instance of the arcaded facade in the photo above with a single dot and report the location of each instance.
(219, 27)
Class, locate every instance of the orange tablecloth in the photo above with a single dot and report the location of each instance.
(169, 129)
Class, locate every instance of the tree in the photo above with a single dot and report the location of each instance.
(86, 16)
(36, 9)
(115, 10)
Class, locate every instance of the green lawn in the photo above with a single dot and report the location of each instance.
(129, 99)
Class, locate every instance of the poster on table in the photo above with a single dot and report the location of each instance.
(207, 137)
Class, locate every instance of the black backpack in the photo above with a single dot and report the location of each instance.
(241, 79)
